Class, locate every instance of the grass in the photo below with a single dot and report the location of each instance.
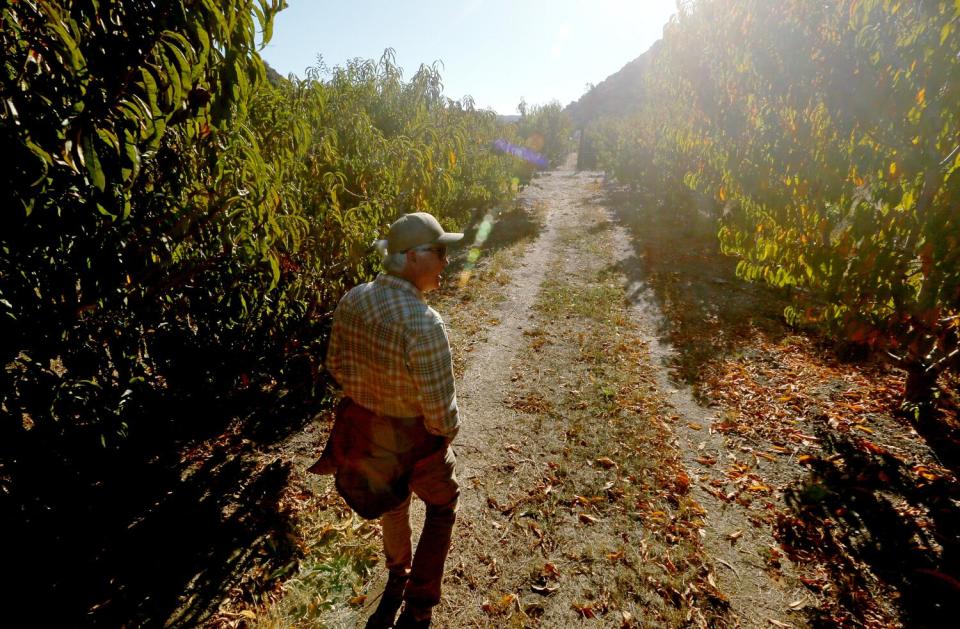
(338, 554)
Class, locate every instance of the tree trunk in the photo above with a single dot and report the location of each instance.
(921, 391)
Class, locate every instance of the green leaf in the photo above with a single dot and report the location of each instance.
(150, 90)
(92, 161)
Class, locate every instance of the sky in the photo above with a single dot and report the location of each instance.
(496, 51)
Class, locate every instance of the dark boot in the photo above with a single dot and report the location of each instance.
(390, 602)
(413, 618)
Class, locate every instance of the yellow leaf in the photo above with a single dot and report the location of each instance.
(921, 97)
(893, 169)
(246, 613)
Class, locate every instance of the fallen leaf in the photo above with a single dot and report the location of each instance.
(360, 599)
(798, 604)
(615, 556)
(735, 535)
(682, 483)
(544, 590)
(777, 623)
(758, 487)
(586, 518)
(694, 426)
(925, 472)
(585, 610)
(246, 613)
(706, 460)
(606, 462)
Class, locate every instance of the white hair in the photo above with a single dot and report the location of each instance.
(395, 263)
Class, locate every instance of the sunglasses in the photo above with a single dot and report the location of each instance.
(440, 250)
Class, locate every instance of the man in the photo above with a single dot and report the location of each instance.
(390, 353)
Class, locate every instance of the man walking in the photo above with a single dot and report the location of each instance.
(390, 353)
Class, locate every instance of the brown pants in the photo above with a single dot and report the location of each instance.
(434, 480)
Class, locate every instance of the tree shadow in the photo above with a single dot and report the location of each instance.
(154, 533)
(703, 310)
(863, 506)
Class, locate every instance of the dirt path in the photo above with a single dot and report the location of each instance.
(740, 548)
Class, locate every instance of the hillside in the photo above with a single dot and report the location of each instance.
(615, 94)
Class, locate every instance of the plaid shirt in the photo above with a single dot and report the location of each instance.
(389, 351)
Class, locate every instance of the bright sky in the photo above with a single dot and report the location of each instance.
(494, 50)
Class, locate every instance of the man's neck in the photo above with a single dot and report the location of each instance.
(405, 277)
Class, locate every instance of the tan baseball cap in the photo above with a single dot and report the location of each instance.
(416, 229)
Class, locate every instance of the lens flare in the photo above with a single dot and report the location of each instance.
(483, 232)
(523, 152)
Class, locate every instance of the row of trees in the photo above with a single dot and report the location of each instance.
(828, 136)
(177, 227)
(546, 129)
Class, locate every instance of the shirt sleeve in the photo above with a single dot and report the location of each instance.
(334, 363)
(431, 368)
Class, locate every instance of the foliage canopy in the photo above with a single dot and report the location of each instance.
(828, 137)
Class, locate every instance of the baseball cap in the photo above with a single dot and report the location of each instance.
(416, 229)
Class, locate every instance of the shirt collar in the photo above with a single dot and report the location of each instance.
(400, 283)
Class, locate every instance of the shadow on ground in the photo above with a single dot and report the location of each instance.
(706, 308)
(867, 507)
(153, 534)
